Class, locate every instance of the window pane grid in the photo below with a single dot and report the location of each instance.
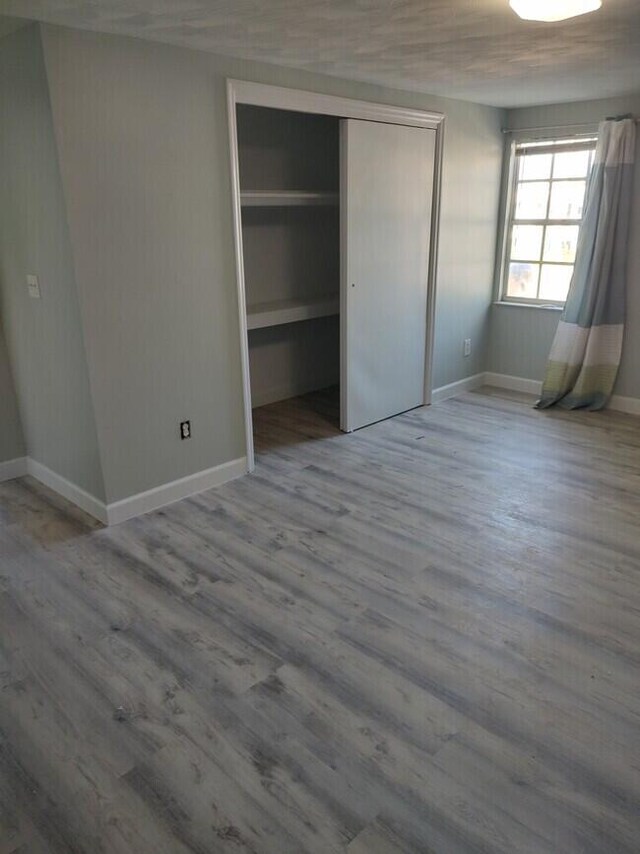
(541, 248)
(547, 180)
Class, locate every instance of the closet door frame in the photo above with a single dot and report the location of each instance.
(298, 100)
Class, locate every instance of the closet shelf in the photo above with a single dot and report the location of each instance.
(278, 312)
(286, 198)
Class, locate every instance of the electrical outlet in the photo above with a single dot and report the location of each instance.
(467, 347)
(33, 286)
(185, 429)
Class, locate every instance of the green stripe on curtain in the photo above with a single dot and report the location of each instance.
(588, 385)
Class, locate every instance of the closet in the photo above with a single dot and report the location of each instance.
(289, 181)
(336, 215)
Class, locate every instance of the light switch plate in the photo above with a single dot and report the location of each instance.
(33, 286)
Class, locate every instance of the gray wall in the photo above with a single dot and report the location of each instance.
(44, 337)
(468, 228)
(521, 337)
(11, 441)
(293, 359)
(142, 138)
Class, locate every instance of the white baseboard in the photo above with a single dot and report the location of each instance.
(618, 403)
(75, 494)
(454, 389)
(127, 508)
(152, 499)
(630, 405)
(13, 468)
(273, 394)
(513, 383)
(160, 496)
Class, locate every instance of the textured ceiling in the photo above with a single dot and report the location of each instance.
(473, 49)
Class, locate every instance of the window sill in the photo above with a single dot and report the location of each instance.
(529, 305)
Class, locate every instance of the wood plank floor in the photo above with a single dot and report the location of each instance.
(421, 637)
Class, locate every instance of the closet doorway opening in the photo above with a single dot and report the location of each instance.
(289, 172)
(336, 207)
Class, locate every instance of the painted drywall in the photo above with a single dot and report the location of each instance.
(292, 359)
(521, 340)
(143, 146)
(521, 337)
(143, 143)
(11, 439)
(468, 228)
(44, 337)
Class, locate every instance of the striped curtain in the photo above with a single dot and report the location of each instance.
(585, 355)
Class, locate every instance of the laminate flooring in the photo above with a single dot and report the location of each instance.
(420, 637)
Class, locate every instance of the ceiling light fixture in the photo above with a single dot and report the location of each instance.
(553, 10)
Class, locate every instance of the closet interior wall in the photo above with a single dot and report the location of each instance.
(289, 182)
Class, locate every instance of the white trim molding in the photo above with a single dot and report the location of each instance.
(75, 494)
(299, 100)
(454, 389)
(513, 383)
(11, 469)
(630, 405)
(168, 493)
(233, 98)
(617, 403)
(134, 505)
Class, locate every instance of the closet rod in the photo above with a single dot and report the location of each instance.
(588, 126)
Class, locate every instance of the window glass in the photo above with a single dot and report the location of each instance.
(571, 164)
(560, 243)
(526, 242)
(567, 199)
(523, 281)
(554, 281)
(536, 167)
(532, 200)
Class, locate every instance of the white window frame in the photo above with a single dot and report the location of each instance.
(559, 142)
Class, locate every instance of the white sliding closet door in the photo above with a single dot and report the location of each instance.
(387, 174)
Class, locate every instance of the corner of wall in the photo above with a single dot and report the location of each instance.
(12, 445)
(44, 337)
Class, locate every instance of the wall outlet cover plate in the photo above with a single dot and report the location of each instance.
(33, 286)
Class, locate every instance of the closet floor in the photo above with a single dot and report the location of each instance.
(308, 418)
(420, 637)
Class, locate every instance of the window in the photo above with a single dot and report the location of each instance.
(546, 208)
